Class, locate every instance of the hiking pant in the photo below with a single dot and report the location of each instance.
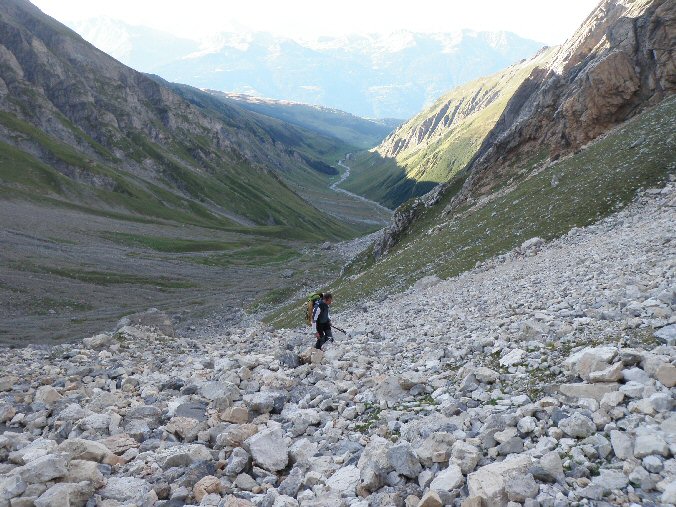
(323, 334)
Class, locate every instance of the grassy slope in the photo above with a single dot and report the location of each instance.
(419, 168)
(316, 147)
(235, 188)
(592, 184)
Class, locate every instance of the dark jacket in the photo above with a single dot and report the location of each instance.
(321, 313)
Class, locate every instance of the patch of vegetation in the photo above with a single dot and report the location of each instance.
(256, 255)
(372, 416)
(104, 277)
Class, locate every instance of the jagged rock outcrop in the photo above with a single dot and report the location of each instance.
(617, 63)
(403, 217)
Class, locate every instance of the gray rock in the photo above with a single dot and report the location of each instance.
(11, 486)
(225, 391)
(552, 464)
(436, 442)
(81, 470)
(577, 425)
(486, 375)
(47, 395)
(237, 461)
(129, 490)
(653, 464)
(152, 318)
(527, 425)
(292, 483)
(488, 482)
(465, 455)
(667, 334)
(519, 487)
(245, 482)
(37, 448)
(44, 468)
(266, 402)
(661, 402)
(268, 449)
(448, 479)
(98, 341)
(633, 389)
(669, 494)
(302, 450)
(611, 374)
(345, 480)
(636, 375)
(66, 495)
(511, 446)
(610, 480)
(78, 448)
(193, 410)
(404, 460)
(7, 412)
(594, 391)
(623, 444)
(648, 443)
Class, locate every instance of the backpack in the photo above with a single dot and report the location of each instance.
(312, 301)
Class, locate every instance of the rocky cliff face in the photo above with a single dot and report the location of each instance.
(617, 63)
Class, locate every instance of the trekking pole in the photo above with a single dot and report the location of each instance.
(338, 329)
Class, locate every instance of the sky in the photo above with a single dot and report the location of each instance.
(547, 21)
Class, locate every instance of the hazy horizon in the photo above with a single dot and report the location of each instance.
(303, 20)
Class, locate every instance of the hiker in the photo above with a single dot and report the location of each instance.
(322, 319)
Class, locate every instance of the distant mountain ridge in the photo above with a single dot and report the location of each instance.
(374, 76)
(358, 132)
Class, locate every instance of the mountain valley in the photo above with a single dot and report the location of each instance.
(503, 265)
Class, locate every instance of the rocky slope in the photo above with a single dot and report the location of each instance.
(535, 379)
(78, 125)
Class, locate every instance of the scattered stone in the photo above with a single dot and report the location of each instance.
(268, 449)
(66, 495)
(206, 485)
(488, 482)
(431, 499)
(448, 479)
(403, 460)
(520, 487)
(577, 425)
(128, 490)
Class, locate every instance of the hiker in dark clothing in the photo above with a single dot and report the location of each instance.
(322, 319)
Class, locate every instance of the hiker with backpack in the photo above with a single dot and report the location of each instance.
(322, 319)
